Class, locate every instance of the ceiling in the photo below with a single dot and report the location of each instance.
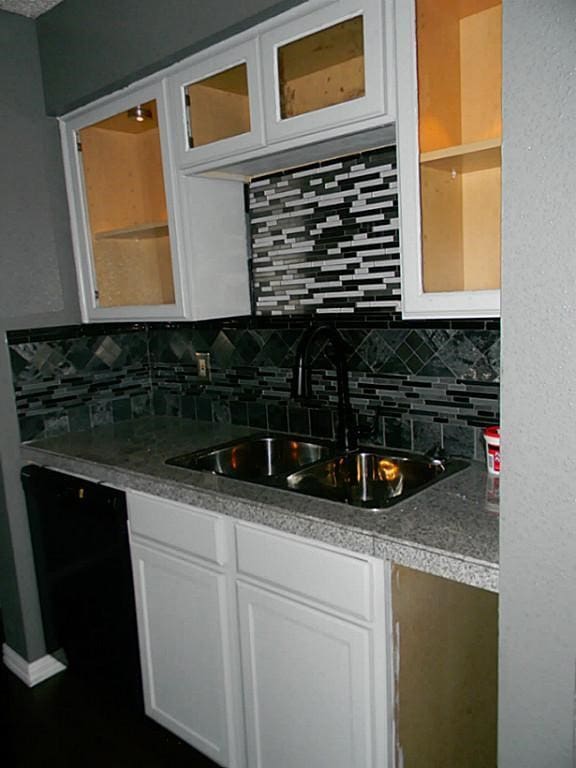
(30, 8)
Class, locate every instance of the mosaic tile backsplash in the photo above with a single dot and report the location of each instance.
(411, 387)
(325, 241)
(325, 238)
(75, 378)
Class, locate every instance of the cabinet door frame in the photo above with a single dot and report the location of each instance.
(202, 67)
(230, 751)
(378, 67)
(79, 217)
(416, 303)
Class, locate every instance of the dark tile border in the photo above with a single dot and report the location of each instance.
(383, 320)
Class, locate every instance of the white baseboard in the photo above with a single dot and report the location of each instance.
(33, 672)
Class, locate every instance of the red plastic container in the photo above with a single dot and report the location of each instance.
(492, 438)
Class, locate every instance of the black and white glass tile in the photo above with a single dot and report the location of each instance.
(325, 238)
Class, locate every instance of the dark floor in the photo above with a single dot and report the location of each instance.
(70, 721)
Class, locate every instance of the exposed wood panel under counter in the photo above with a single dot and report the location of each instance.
(446, 637)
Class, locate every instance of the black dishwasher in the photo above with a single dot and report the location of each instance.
(79, 536)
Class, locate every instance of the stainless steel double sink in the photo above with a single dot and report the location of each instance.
(369, 478)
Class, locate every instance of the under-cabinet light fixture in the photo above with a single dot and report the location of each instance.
(140, 113)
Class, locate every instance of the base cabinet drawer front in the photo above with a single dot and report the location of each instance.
(307, 685)
(184, 653)
(186, 528)
(337, 580)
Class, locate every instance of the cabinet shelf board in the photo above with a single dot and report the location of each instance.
(464, 158)
(139, 231)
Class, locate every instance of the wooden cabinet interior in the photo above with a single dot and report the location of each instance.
(322, 69)
(218, 107)
(124, 187)
(459, 51)
(446, 637)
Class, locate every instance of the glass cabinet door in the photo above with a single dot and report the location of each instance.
(126, 209)
(459, 70)
(328, 68)
(322, 69)
(216, 105)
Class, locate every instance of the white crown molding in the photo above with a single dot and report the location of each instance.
(33, 672)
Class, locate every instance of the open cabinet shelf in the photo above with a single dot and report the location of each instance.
(126, 202)
(459, 74)
(458, 47)
(137, 232)
(460, 208)
(470, 149)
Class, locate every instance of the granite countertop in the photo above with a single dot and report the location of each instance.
(450, 529)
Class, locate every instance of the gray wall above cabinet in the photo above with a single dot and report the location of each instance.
(90, 49)
(38, 280)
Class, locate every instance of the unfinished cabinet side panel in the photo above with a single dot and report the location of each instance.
(446, 687)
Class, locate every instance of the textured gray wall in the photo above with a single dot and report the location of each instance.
(89, 49)
(538, 500)
(36, 263)
(37, 288)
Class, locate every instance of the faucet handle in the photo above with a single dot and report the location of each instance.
(436, 453)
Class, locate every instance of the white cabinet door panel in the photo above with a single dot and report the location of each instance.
(307, 685)
(182, 645)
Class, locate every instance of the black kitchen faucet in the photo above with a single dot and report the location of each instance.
(346, 430)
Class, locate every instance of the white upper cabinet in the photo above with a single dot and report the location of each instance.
(150, 242)
(449, 65)
(217, 104)
(318, 72)
(155, 173)
(328, 69)
(121, 196)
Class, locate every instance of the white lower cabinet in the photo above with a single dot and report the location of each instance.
(307, 681)
(314, 650)
(259, 648)
(181, 610)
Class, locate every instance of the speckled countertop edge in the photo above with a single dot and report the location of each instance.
(447, 530)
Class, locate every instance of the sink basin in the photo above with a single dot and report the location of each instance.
(256, 458)
(368, 478)
(371, 479)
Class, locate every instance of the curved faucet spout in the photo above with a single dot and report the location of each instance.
(346, 432)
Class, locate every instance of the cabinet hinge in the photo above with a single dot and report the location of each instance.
(187, 99)
(78, 145)
(96, 295)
